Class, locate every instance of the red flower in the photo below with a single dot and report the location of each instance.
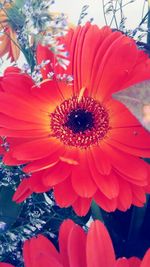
(77, 249)
(75, 139)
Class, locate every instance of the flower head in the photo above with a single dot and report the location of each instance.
(73, 137)
(77, 248)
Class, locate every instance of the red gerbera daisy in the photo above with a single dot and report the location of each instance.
(77, 249)
(75, 138)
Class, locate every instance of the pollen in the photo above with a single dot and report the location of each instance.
(80, 123)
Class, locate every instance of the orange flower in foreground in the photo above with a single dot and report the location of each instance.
(77, 249)
(75, 139)
(8, 41)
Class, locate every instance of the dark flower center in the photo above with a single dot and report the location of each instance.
(80, 120)
(80, 123)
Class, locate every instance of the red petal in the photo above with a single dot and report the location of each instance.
(45, 162)
(14, 124)
(40, 250)
(136, 137)
(77, 55)
(46, 260)
(129, 149)
(42, 244)
(25, 134)
(108, 37)
(27, 254)
(64, 194)
(77, 247)
(43, 53)
(21, 109)
(122, 262)
(146, 259)
(36, 149)
(125, 195)
(138, 194)
(99, 247)
(122, 54)
(64, 233)
(95, 36)
(134, 262)
(137, 171)
(35, 183)
(56, 174)
(16, 83)
(107, 184)
(101, 160)
(140, 72)
(117, 111)
(23, 191)
(10, 161)
(49, 93)
(82, 181)
(104, 202)
(81, 206)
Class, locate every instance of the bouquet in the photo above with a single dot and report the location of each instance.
(74, 137)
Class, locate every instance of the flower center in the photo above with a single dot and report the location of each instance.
(80, 123)
(80, 120)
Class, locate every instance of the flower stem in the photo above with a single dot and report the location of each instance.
(96, 212)
(137, 219)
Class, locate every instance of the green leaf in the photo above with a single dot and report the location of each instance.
(19, 3)
(16, 19)
(137, 99)
(9, 210)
